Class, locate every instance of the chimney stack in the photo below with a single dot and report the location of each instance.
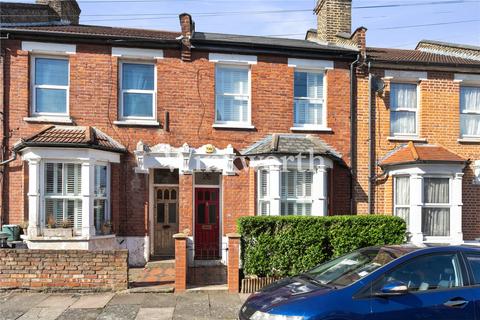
(187, 26)
(334, 17)
(67, 10)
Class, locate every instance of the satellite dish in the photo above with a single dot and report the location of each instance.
(378, 85)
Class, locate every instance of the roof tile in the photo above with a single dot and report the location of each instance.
(417, 153)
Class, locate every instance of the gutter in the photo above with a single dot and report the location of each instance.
(353, 138)
(24, 145)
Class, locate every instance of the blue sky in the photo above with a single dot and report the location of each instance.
(390, 23)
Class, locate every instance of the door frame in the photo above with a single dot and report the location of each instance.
(151, 211)
(220, 211)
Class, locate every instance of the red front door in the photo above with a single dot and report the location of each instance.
(206, 223)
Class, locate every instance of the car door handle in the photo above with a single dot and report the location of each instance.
(455, 303)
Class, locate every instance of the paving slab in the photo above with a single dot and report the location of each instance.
(224, 306)
(21, 301)
(42, 314)
(10, 314)
(155, 314)
(119, 312)
(58, 301)
(192, 306)
(128, 299)
(94, 301)
(159, 301)
(80, 314)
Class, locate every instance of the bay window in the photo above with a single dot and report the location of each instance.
(296, 193)
(137, 91)
(402, 198)
(50, 86)
(470, 111)
(309, 99)
(436, 208)
(403, 109)
(63, 198)
(232, 95)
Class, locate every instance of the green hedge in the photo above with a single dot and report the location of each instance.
(288, 245)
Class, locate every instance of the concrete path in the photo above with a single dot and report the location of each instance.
(132, 306)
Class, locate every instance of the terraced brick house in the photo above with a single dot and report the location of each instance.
(128, 136)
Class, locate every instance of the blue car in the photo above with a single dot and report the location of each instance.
(388, 282)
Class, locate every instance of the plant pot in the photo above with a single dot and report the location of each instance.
(106, 230)
(58, 232)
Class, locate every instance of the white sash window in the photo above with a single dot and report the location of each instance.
(436, 209)
(296, 193)
(402, 198)
(470, 111)
(309, 99)
(403, 109)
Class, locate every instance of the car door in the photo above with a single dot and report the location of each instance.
(437, 289)
(473, 264)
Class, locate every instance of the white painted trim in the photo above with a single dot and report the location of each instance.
(310, 64)
(69, 154)
(48, 47)
(400, 138)
(232, 58)
(413, 76)
(137, 53)
(311, 128)
(48, 119)
(473, 79)
(232, 126)
(145, 123)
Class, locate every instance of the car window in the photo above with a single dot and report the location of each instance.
(428, 272)
(474, 261)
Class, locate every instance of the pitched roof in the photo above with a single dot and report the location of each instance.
(71, 137)
(420, 153)
(102, 31)
(400, 56)
(290, 144)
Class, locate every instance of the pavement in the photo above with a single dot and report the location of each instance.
(120, 306)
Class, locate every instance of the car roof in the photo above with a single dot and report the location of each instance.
(404, 249)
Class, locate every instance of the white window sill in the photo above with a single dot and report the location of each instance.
(406, 139)
(311, 128)
(74, 238)
(233, 126)
(144, 123)
(469, 140)
(48, 119)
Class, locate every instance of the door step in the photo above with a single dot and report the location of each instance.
(161, 264)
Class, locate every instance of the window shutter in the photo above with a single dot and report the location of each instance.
(308, 183)
(49, 178)
(299, 184)
(264, 183)
(78, 214)
(291, 184)
(58, 210)
(73, 178)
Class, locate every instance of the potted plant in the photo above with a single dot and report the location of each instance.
(24, 226)
(106, 227)
(51, 223)
(62, 230)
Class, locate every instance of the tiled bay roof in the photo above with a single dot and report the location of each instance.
(421, 153)
(71, 136)
(417, 57)
(92, 30)
(290, 144)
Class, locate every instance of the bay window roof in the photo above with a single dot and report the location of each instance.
(291, 144)
(420, 153)
(71, 137)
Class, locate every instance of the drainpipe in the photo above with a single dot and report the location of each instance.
(370, 143)
(353, 138)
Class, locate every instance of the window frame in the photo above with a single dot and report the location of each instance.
(416, 110)
(296, 200)
(467, 112)
(240, 124)
(426, 205)
(34, 86)
(121, 91)
(107, 214)
(402, 206)
(309, 126)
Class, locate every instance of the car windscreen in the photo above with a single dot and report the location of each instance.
(354, 266)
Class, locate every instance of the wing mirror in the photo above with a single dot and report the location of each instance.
(394, 288)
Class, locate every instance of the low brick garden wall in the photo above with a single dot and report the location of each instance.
(64, 269)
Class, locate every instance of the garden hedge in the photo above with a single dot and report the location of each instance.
(288, 245)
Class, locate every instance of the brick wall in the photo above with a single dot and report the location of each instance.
(65, 269)
(186, 90)
(439, 123)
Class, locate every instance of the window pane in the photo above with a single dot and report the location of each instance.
(160, 213)
(231, 108)
(212, 213)
(51, 72)
(73, 179)
(402, 190)
(436, 222)
(138, 76)
(100, 211)
(436, 190)
(263, 184)
(101, 181)
(307, 112)
(403, 213)
(470, 124)
(431, 272)
(231, 80)
(201, 213)
(53, 212)
(137, 104)
(172, 212)
(308, 84)
(264, 208)
(474, 261)
(403, 96)
(51, 100)
(470, 99)
(165, 176)
(403, 122)
(207, 178)
(300, 84)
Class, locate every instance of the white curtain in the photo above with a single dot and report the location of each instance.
(403, 105)
(402, 198)
(470, 109)
(436, 220)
